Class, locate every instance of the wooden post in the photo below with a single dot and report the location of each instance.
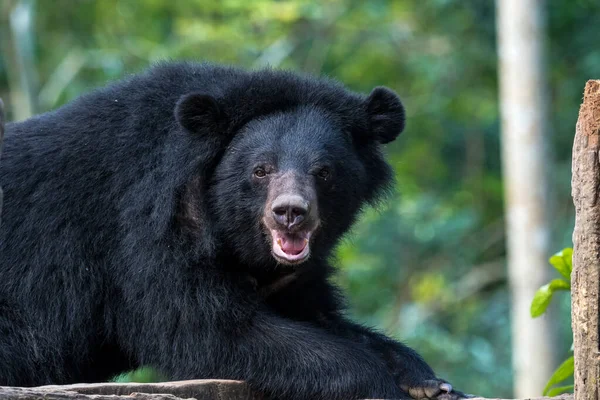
(585, 279)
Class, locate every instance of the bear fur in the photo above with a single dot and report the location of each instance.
(158, 221)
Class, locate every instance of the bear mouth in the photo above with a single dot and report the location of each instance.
(291, 248)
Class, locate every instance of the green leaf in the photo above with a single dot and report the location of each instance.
(563, 262)
(560, 390)
(140, 375)
(564, 371)
(559, 284)
(543, 295)
(568, 257)
(540, 301)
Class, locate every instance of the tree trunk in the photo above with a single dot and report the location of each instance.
(17, 46)
(520, 28)
(585, 278)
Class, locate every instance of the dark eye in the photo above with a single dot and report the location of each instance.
(323, 173)
(260, 172)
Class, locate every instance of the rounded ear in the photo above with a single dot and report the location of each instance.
(198, 111)
(385, 113)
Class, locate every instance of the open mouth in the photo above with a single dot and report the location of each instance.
(291, 248)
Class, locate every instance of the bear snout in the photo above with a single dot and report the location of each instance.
(291, 218)
(289, 211)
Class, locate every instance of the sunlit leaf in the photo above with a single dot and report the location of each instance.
(564, 371)
(560, 390)
(543, 295)
(562, 262)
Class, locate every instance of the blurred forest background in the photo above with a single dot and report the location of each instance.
(429, 266)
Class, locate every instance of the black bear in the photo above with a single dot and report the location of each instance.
(183, 219)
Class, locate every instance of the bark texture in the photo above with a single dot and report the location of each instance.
(525, 159)
(585, 278)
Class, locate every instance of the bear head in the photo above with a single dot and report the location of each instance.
(298, 163)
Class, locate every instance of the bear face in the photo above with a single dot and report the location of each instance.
(291, 182)
(284, 176)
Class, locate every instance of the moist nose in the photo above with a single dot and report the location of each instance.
(290, 210)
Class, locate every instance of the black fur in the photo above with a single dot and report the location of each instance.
(132, 235)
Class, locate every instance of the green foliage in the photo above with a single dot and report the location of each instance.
(543, 295)
(563, 372)
(140, 375)
(563, 263)
(560, 390)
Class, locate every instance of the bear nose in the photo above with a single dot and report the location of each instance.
(289, 210)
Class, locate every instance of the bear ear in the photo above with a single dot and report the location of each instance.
(199, 111)
(385, 113)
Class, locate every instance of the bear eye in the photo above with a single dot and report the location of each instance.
(260, 172)
(323, 173)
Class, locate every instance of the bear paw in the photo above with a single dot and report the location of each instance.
(437, 389)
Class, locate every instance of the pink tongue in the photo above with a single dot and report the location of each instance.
(292, 244)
